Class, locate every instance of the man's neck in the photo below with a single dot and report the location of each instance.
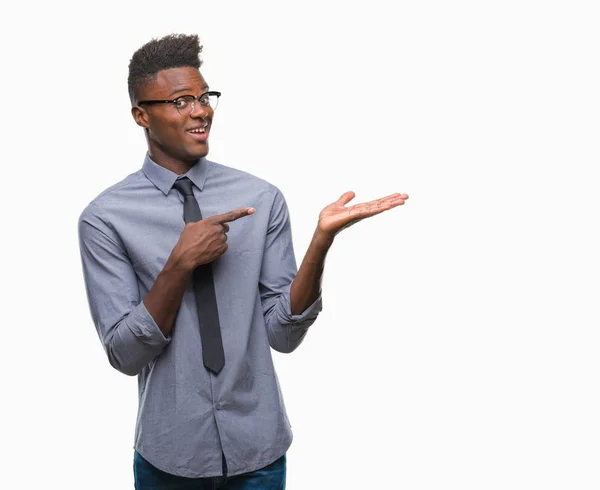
(170, 163)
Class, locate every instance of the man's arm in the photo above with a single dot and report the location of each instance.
(306, 287)
(200, 243)
(291, 298)
(129, 334)
(286, 328)
(132, 331)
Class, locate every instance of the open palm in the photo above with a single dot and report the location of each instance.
(337, 216)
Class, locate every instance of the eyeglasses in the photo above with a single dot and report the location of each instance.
(186, 103)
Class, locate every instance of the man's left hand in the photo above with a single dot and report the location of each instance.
(335, 217)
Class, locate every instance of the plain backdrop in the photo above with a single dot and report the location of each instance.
(458, 347)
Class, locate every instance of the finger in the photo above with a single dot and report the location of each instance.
(232, 215)
(390, 201)
(382, 202)
(372, 208)
(346, 197)
(392, 197)
(225, 227)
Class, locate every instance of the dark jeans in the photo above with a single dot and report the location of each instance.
(148, 477)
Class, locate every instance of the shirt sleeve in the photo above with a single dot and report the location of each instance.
(130, 336)
(285, 331)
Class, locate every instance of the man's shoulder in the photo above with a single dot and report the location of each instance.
(241, 178)
(112, 193)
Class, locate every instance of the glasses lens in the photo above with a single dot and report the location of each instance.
(210, 100)
(184, 104)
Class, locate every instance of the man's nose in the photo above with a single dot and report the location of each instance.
(199, 110)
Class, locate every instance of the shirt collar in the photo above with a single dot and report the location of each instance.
(164, 178)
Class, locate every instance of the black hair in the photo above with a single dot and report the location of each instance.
(171, 51)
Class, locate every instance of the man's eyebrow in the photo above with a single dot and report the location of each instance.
(186, 89)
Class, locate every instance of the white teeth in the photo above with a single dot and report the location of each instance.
(199, 130)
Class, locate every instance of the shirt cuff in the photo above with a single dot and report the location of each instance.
(284, 310)
(143, 326)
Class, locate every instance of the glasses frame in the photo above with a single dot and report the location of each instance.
(173, 101)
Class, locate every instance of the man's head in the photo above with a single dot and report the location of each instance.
(164, 70)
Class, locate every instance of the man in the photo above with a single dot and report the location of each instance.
(191, 278)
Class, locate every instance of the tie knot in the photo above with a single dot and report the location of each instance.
(184, 186)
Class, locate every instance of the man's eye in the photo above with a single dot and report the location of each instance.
(181, 103)
(205, 100)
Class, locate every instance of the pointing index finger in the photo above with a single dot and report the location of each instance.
(232, 215)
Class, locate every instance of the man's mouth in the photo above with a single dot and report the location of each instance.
(199, 132)
(200, 129)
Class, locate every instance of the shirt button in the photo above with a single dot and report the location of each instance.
(218, 406)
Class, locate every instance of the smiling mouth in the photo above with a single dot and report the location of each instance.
(200, 130)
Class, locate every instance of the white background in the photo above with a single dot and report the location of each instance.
(459, 342)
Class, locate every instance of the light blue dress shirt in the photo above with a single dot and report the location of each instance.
(188, 417)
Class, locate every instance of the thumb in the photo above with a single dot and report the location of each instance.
(346, 197)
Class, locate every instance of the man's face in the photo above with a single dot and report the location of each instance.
(170, 133)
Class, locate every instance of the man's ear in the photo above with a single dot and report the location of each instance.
(140, 116)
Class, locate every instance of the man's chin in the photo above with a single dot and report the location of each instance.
(196, 153)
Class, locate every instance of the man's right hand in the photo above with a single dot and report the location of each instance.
(205, 240)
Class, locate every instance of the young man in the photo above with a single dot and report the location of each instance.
(191, 279)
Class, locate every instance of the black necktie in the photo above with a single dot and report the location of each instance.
(210, 330)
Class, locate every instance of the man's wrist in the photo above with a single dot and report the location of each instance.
(322, 240)
(176, 265)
